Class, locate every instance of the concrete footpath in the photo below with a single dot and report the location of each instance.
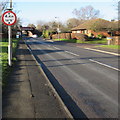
(28, 94)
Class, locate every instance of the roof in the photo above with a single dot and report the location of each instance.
(89, 23)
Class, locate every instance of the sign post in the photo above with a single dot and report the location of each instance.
(9, 18)
(9, 47)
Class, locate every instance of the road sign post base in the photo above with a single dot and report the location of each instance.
(9, 55)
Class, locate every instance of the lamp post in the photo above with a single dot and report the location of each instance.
(58, 29)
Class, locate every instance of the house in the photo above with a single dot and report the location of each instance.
(91, 27)
(81, 29)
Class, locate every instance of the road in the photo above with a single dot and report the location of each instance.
(87, 80)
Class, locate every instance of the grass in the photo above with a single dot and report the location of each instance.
(5, 69)
(94, 41)
(66, 40)
(110, 46)
(90, 41)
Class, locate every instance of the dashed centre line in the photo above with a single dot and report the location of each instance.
(56, 48)
(71, 53)
(66, 51)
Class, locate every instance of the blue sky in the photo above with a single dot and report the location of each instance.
(31, 12)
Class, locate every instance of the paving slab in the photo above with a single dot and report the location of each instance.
(28, 94)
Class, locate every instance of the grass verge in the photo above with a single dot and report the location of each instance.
(5, 69)
(110, 46)
(90, 41)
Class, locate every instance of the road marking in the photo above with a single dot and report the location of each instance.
(71, 53)
(56, 48)
(103, 51)
(104, 65)
(66, 51)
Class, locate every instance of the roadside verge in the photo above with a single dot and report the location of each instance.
(28, 93)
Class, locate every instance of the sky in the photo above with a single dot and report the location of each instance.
(33, 11)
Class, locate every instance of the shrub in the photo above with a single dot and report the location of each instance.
(99, 36)
(79, 36)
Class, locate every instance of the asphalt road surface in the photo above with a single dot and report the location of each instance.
(89, 78)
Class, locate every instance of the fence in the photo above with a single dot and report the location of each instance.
(70, 36)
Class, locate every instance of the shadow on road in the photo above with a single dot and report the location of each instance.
(68, 101)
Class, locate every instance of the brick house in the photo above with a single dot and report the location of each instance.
(85, 28)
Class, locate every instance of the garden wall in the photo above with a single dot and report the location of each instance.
(70, 36)
(116, 40)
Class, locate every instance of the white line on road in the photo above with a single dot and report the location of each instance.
(56, 48)
(66, 51)
(104, 65)
(49, 45)
(71, 53)
(103, 51)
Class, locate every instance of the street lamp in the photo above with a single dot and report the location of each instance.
(58, 29)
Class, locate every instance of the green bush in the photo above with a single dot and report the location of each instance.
(100, 36)
(46, 34)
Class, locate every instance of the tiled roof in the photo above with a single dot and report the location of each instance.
(89, 23)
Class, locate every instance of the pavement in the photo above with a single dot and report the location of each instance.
(28, 93)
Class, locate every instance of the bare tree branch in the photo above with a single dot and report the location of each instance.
(86, 13)
(3, 5)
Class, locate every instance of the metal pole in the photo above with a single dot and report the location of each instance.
(58, 27)
(9, 46)
(10, 3)
(58, 31)
(10, 42)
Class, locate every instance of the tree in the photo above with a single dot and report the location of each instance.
(73, 22)
(53, 25)
(31, 25)
(3, 5)
(86, 13)
(40, 25)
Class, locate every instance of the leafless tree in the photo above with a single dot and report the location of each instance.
(86, 13)
(31, 25)
(119, 10)
(73, 22)
(3, 5)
